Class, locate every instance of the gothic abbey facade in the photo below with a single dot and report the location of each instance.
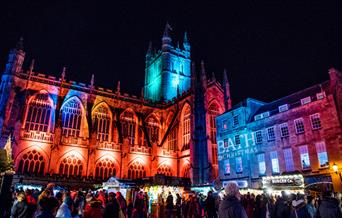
(77, 130)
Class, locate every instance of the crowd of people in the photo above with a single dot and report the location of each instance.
(80, 204)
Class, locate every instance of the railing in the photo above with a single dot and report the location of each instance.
(37, 136)
(140, 149)
(109, 145)
(169, 152)
(74, 140)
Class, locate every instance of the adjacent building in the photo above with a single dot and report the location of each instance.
(297, 134)
(72, 130)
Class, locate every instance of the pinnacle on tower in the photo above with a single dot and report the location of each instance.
(167, 30)
(203, 75)
(118, 87)
(213, 77)
(92, 81)
(63, 74)
(186, 43)
(20, 44)
(32, 66)
(225, 78)
(166, 40)
(226, 90)
(149, 50)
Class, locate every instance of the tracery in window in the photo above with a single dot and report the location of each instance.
(172, 139)
(152, 130)
(128, 126)
(105, 169)
(102, 120)
(32, 162)
(136, 170)
(71, 166)
(71, 118)
(213, 111)
(186, 127)
(164, 170)
(39, 113)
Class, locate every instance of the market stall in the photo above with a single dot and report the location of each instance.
(288, 183)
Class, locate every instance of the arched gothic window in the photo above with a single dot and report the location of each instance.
(165, 170)
(136, 170)
(102, 121)
(186, 171)
(172, 140)
(105, 169)
(186, 128)
(71, 118)
(128, 126)
(153, 130)
(71, 166)
(32, 162)
(213, 111)
(39, 113)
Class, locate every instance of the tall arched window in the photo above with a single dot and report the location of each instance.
(186, 171)
(39, 113)
(71, 166)
(172, 139)
(153, 130)
(105, 169)
(71, 118)
(136, 170)
(186, 127)
(128, 126)
(32, 162)
(213, 111)
(165, 170)
(101, 118)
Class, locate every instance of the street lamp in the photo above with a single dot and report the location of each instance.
(335, 168)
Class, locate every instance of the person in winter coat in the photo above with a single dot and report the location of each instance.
(310, 206)
(194, 210)
(210, 206)
(329, 207)
(169, 205)
(112, 208)
(299, 208)
(19, 208)
(122, 202)
(48, 207)
(282, 207)
(64, 210)
(93, 207)
(231, 206)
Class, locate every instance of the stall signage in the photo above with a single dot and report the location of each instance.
(279, 181)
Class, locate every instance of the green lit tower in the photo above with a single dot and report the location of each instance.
(167, 72)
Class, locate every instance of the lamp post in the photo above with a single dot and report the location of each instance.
(336, 171)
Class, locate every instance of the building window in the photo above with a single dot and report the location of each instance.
(153, 130)
(128, 126)
(102, 121)
(262, 164)
(237, 139)
(186, 128)
(32, 163)
(105, 169)
(304, 157)
(289, 165)
(284, 130)
(320, 95)
(172, 140)
(258, 136)
(71, 166)
(213, 111)
(306, 100)
(299, 124)
(315, 121)
(224, 124)
(164, 170)
(238, 162)
(274, 161)
(225, 143)
(39, 113)
(236, 121)
(71, 118)
(322, 154)
(226, 167)
(136, 170)
(283, 108)
(270, 133)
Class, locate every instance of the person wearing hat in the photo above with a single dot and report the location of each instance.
(299, 209)
(230, 206)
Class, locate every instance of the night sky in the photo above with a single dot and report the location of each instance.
(269, 49)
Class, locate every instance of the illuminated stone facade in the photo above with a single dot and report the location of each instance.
(298, 134)
(75, 130)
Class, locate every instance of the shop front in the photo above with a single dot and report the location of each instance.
(288, 183)
(317, 184)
